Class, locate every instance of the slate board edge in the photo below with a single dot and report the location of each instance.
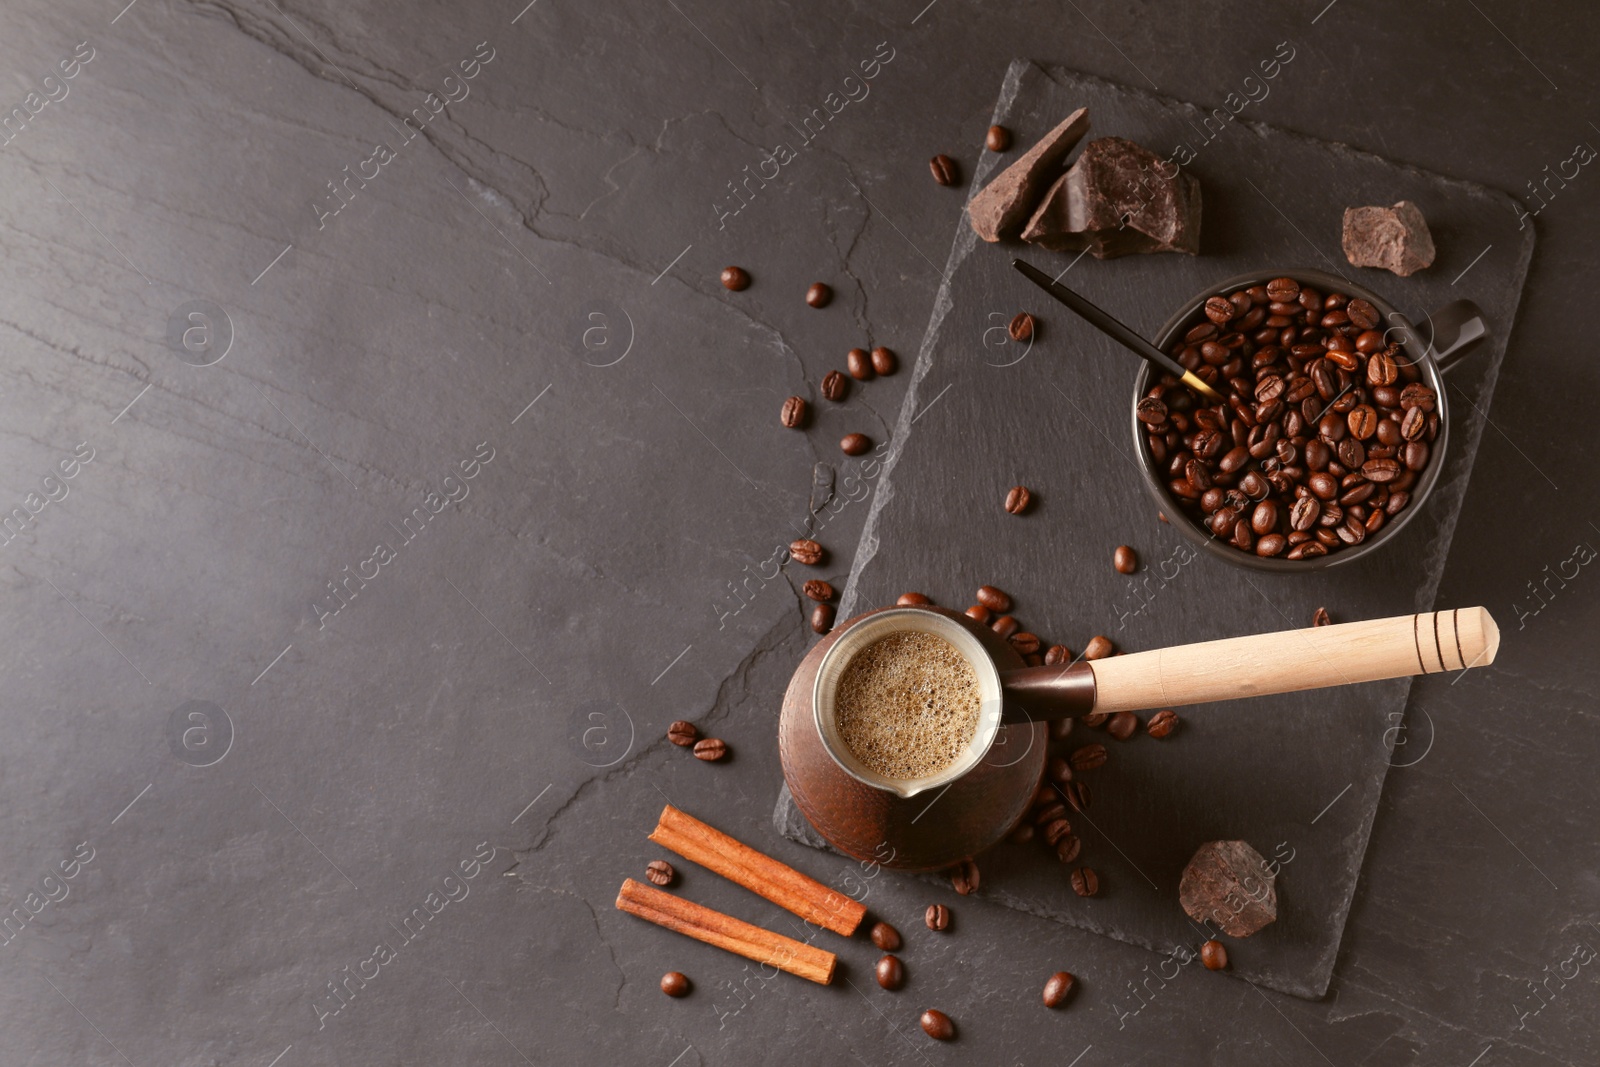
(962, 246)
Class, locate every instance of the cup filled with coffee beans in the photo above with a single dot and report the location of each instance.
(1333, 425)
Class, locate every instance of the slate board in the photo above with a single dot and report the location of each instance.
(1297, 775)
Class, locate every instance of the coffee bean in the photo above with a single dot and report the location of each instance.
(1320, 617)
(1024, 642)
(1021, 834)
(1214, 955)
(883, 360)
(1271, 545)
(1125, 560)
(1264, 519)
(683, 734)
(1077, 794)
(1056, 655)
(1057, 989)
(674, 984)
(834, 386)
(937, 1025)
(806, 552)
(1122, 725)
(1060, 729)
(964, 878)
(1088, 757)
(1021, 327)
(1162, 723)
(1049, 812)
(913, 600)
(978, 613)
(1085, 882)
(890, 972)
(999, 139)
(1068, 848)
(1005, 625)
(1363, 421)
(1057, 769)
(1381, 471)
(859, 364)
(1381, 369)
(710, 749)
(1219, 309)
(660, 872)
(1151, 411)
(1417, 395)
(993, 599)
(885, 937)
(818, 590)
(1098, 648)
(1018, 499)
(1096, 718)
(1413, 424)
(944, 169)
(855, 444)
(794, 411)
(819, 295)
(937, 917)
(1055, 830)
(822, 618)
(735, 278)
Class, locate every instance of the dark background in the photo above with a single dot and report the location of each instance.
(532, 643)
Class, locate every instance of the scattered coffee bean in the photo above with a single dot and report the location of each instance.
(674, 984)
(1055, 830)
(1098, 648)
(1021, 328)
(1214, 954)
(819, 295)
(1088, 757)
(794, 411)
(710, 749)
(660, 872)
(885, 937)
(978, 613)
(855, 444)
(822, 618)
(1123, 725)
(937, 917)
(1056, 655)
(806, 552)
(1096, 718)
(944, 169)
(859, 364)
(1005, 625)
(890, 972)
(735, 278)
(683, 734)
(1024, 642)
(1315, 417)
(993, 599)
(1058, 769)
(834, 386)
(1068, 847)
(964, 878)
(1162, 723)
(1085, 882)
(913, 600)
(1320, 617)
(1058, 989)
(1060, 729)
(1021, 834)
(818, 590)
(1077, 794)
(883, 360)
(1049, 812)
(1018, 499)
(1125, 560)
(999, 139)
(936, 1024)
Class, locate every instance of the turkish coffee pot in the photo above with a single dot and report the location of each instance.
(987, 789)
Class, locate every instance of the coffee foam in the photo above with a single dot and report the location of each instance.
(908, 704)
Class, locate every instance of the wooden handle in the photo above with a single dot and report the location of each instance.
(1293, 660)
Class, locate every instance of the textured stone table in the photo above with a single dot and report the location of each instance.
(515, 308)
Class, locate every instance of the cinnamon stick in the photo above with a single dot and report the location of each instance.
(759, 873)
(725, 932)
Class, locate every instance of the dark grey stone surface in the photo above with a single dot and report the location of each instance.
(588, 571)
(1054, 416)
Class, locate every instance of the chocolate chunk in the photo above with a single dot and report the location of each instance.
(1394, 238)
(1115, 201)
(1229, 884)
(1003, 206)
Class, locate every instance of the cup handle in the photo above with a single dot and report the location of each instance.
(1453, 331)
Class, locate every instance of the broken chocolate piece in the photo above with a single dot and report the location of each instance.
(1116, 201)
(1393, 238)
(1003, 206)
(1228, 884)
